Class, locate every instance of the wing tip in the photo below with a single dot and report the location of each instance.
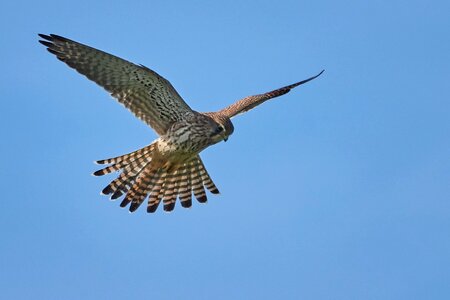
(305, 81)
(58, 37)
(52, 37)
(45, 37)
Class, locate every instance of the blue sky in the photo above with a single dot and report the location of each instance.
(338, 190)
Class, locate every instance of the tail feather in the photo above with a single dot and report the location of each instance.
(130, 170)
(207, 181)
(128, 156)
(156, 195)
(126, 161)
(185, 188)
(125, 180)
(140, 189)
(170, 192)
(140, 178)
(197, 183)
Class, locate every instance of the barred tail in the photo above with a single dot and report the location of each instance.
(140, 178)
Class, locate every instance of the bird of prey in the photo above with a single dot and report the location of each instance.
(169, 168)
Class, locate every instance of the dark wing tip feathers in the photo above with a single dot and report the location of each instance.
(58, 37)
(51, 42)
(44, 36)
(47, 40)
(45, 43)
(52, 37)
(289, 87)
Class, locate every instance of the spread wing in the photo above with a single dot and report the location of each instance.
(145, 93)
(250, 102)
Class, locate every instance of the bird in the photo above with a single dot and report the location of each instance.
(169, 168)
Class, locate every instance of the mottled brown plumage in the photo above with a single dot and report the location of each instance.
(170, 168)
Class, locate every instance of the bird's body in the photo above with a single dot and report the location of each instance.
(171, 163)
(170, 168)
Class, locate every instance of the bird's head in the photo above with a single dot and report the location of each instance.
(222, 127)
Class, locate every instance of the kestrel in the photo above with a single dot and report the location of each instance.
(170, 167)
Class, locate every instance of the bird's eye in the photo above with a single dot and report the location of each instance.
(218, 130)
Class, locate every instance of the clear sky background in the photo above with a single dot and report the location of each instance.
(338, 190)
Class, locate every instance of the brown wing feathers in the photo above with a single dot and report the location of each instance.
(144, 92)
(250, 102)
